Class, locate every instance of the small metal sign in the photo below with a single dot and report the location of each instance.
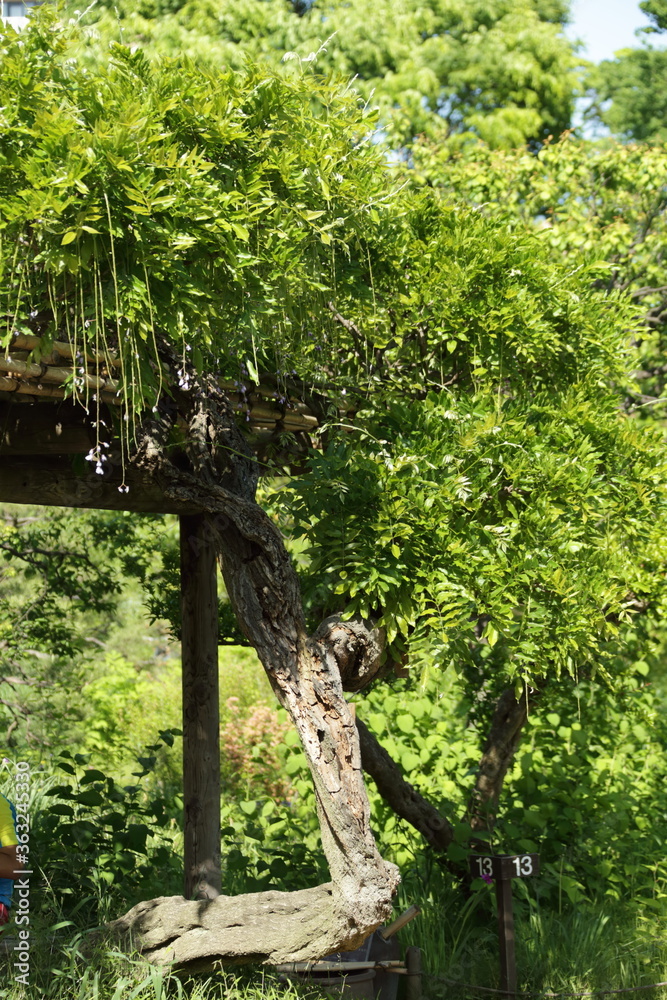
(504, 866)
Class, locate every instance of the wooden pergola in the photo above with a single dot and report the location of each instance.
(44, 435)
(198, 458)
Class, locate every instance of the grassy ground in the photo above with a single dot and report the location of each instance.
(600, 948)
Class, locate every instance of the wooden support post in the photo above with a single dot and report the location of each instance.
(413, 963)
(506, 936)
(201, 713)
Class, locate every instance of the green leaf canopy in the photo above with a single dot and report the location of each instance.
(492, 498)
(501, 69)
(214, 212)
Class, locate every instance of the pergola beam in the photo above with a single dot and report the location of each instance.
(53, 482)
(51, 429)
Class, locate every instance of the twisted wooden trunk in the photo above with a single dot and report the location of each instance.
(212, 486)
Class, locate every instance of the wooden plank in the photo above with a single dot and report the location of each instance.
(52, 481)
(37, 392)
(29, 342)
(201, 714)
(18, 367)
(51, 374)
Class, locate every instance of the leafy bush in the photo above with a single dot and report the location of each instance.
(588, 792)
(102, 845)
(250, 760)
(71, 620)
(271, 846)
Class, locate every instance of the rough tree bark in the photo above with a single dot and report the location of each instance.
(308, 674)
(509, 718)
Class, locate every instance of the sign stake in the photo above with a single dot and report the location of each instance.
(506, 936)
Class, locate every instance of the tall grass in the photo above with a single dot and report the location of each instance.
(598, 946)
(66, 971)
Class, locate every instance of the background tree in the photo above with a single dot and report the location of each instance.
(629, 90)
(500, 70)
(70, 615)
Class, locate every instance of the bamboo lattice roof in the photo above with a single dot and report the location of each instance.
(264, 409)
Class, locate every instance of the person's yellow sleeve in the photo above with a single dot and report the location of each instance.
(7, 827)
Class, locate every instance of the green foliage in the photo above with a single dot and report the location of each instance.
(469, 305)
(500, 70)
(656, 10)
(424, 729)
(67, 615)
(206, 212)
(271, 846)
(118, 699)
(629, 94)
(586, 790)
(521, 526)
(47, 571)
(162, 592)
(584, 200)
(588, 793)
(629, 91)
(482, 493)
(467, 515)
(104, 845)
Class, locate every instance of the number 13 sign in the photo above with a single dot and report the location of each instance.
(504, 866)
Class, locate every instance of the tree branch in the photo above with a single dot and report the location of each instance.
(357, 647)
(640, 293)
(403, 798)
(351, 328)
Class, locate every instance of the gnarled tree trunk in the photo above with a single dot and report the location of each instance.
(308, 674)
